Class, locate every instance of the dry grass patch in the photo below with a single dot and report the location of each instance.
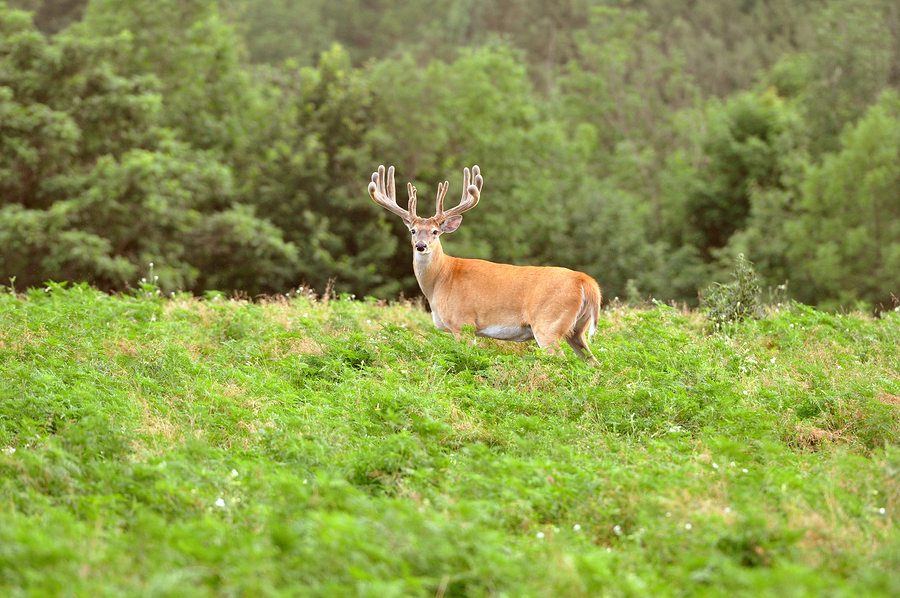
(119, 347)
(285, 311)
(827, 536)
(232, 390)
(467, 429)
(163, 431)
(197, 307)
(195, 350)
(18, 339)
(615, 318)
(534, 379)
(888, 399)
(300, 345)
(405, 313)
(712, 503)
(811, 438)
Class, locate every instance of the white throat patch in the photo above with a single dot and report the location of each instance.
(422, 259)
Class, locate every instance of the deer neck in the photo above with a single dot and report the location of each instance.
(429, 268)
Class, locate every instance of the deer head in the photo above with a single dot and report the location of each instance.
(426, 232)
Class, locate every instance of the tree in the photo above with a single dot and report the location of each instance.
(61, 106)
(747, 150)
(725, 45)
(207, 94)
(41, 245)
(626, 86)
(93, 188)
(854, 56)
(846, 239)
(279, 30)
(309, 173)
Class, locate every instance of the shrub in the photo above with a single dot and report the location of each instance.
(736, 300)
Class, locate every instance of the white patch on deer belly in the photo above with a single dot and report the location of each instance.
(507, 333)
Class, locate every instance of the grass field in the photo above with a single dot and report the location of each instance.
(184, 447)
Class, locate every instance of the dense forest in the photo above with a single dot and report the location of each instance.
(227, 144)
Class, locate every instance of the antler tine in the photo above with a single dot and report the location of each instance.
(441, 193)
(472, 183)
(383, 191)
(411, 190)
(392, 187)
(479, 181)
(466, 178)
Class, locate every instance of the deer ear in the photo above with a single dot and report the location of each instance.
(451, 224)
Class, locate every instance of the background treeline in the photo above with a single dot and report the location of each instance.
(647, 142)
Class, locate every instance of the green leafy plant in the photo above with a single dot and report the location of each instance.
(725, 303)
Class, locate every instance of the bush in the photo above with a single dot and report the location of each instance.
(736, 300)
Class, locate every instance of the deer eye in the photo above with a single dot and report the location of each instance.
(434, 232)
(412, 231)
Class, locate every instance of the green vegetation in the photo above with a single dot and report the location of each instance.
(736, 300)
(174, 446)
(646, 142)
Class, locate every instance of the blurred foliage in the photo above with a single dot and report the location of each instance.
(847, 229)
(646, 142)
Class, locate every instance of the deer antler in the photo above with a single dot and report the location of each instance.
(472, 183)
(383, 191)
(441, 193)
(411, 190)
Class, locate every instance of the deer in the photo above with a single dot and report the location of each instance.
(501, 301)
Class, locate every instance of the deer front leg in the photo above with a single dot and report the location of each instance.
(439, 324)
(460, 328)
(549, 341)
(456, 331)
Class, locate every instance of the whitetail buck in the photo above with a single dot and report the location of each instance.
(513, 303)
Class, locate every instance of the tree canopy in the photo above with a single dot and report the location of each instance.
(646, 142)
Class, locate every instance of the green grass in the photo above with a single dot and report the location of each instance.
(183, 447)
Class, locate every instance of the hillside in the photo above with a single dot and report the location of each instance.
(184, 447)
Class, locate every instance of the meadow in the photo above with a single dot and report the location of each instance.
(298, 446)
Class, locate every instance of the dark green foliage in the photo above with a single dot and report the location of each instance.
(52, 16)
(93, 187)
(746, 152)
(307, 171)
(853, 58)
(845, 234)
(735, 300)
(208, 97)
(42, 244)
(227, 240)
(645, 142)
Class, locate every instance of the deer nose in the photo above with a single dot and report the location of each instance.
(420, 246)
